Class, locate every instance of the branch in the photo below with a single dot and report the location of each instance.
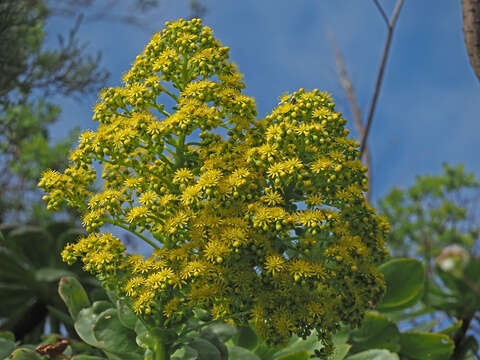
(382, 12)
(357, 115)
(391, 26)
(471, 32)
(126, 227)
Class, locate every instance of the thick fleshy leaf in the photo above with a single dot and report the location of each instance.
(404, 279)
(74, 295)
(7, 335)
(426, 346)
(24, 236)
(376, 332)
(265, 352)
(86, 321)
(426, 326)
(84, 326)
(224, 331)
(145, 341)
(206, 350)
(452, 328)
(240, 353)
(51, 274)
(115, 356)
(341, 336)
(24, 354)
(213, 338)
(374, 354)
(246, 338)
(6, 347)
(126, 315)
(185, 353)
(300, 355)
(297, 344)
(340, 352)
(114, 337)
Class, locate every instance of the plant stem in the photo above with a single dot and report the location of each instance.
(123, 226)
(160, 350)
(180, 156)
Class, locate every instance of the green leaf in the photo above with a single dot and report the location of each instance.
(453, 283)
(185, 353)
(206, 350)
(87, 357)
(224, 331)
(6, 347)
(301, 355)
(426, 326)
(374, 354)
(114, 337)
(452, 328)
(49, 274)
(145, 340)
(25, 354)
(426, 346)
(100, 306)
(341, 336)
(401, 315)
(84, 326)
(245, 337)
(112, 296)
(298, 344)
(376, 332)
(240, 353)
(7, 335)
(114, 356)
(24, 236)
(86, 321)
(212, 338)
(340, 352)
(74, 295)
(404, 279)
(126, 315)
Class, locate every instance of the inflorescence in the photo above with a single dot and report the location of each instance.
(261, 220)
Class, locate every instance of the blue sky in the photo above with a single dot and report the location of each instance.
(428, 110)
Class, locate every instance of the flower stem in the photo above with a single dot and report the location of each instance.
(123, 226)
(160, 349)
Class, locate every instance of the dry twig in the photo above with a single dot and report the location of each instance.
(391, 26)
(357, 115)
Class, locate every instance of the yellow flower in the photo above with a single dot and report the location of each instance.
(193, 268)
(209, 178)
(171, 307)
(191, 194)
(147, 198)
(320, 165)
(133, 285)
(138, 212)
(272, 197)
(310, 218)
(276, 170)
(274, 264)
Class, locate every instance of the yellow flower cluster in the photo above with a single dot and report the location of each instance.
(261, 220)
